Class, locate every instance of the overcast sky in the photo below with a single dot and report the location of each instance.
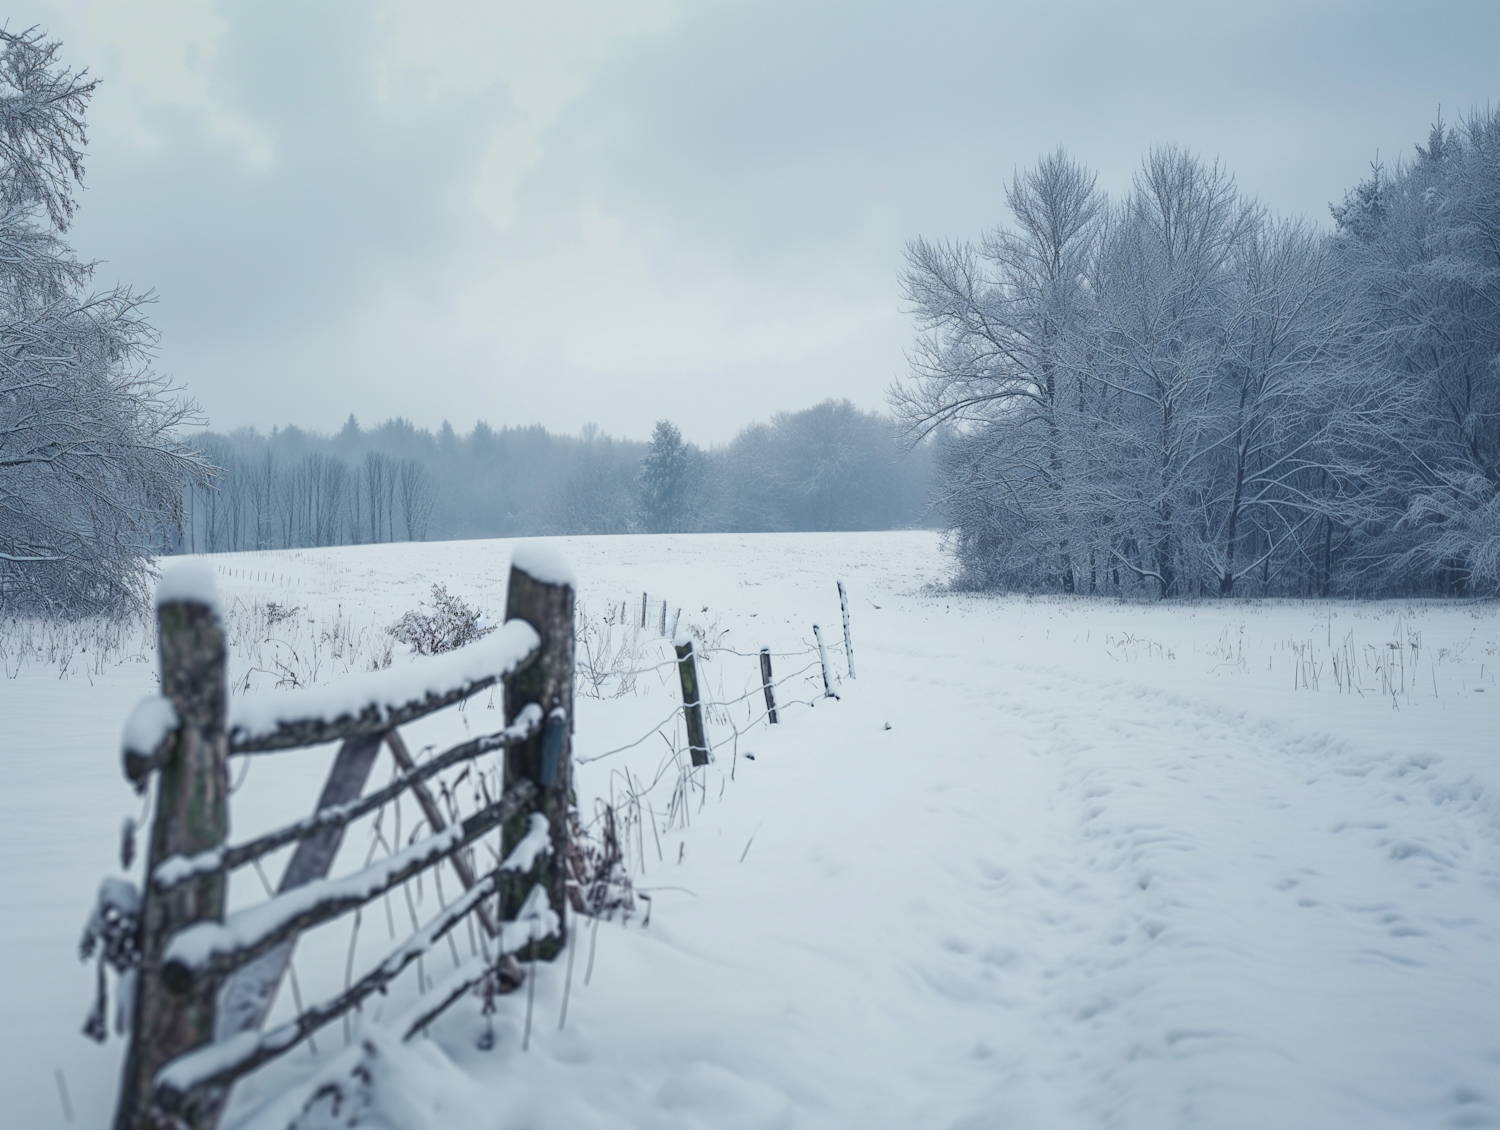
(615, 211)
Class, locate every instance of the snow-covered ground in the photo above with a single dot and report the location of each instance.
(1046, 863)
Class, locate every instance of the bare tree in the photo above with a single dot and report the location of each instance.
(416, 492)
(92, 467)
(999, 327)
(379, 490)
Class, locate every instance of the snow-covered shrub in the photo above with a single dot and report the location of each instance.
(451, 623)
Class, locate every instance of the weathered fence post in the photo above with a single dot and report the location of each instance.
(828, 691)
(191, 816)
(692, 705)
(541, 593)
(643, 611)
(767, 684)
(663, 630)
(848, 646)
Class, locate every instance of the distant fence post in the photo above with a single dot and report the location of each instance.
(643, 611)
(663, 630)
(191, 816)
(692, 705)
(828, 691)
(767, 685)
(541, 593)
(848, 646)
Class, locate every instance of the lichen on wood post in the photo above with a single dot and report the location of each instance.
(191, 816)
(541, 593)
(692, 705)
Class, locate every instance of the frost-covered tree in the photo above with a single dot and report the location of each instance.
(993, 371)
(1421, 247)
(92, 468)
(596, 495)
(828, 467)
(666, 489)
(1172, 394)
(1163, 298)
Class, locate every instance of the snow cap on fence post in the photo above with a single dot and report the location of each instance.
(192, 816)
(541, 560)
(189, 580)
(541, 592)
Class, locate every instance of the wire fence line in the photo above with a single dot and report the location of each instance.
(635, 811)
(723, 704)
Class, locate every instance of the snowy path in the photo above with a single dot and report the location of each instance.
(1094, 875)
(1048, 899)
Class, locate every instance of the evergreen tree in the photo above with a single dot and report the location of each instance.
(663, 480)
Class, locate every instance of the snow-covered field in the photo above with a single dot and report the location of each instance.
(1046, 863)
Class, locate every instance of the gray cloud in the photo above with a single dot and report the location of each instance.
(710, 224)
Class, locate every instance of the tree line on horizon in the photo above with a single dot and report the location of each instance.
(1179, 393)
(829, 467)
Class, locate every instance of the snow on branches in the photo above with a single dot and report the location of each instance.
(92, 467)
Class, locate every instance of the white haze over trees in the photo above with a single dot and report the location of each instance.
(1180, 393)
(92, 468)
(830, 467)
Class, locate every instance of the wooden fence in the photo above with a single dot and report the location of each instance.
(204, 981)
(198, 984)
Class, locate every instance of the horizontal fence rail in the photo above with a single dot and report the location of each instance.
(177, 869)
(212, 949)
(219, 1064)
(374, 704)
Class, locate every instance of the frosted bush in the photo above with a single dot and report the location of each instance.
(451, 623)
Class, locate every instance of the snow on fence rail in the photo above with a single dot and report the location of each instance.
(198, 984)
